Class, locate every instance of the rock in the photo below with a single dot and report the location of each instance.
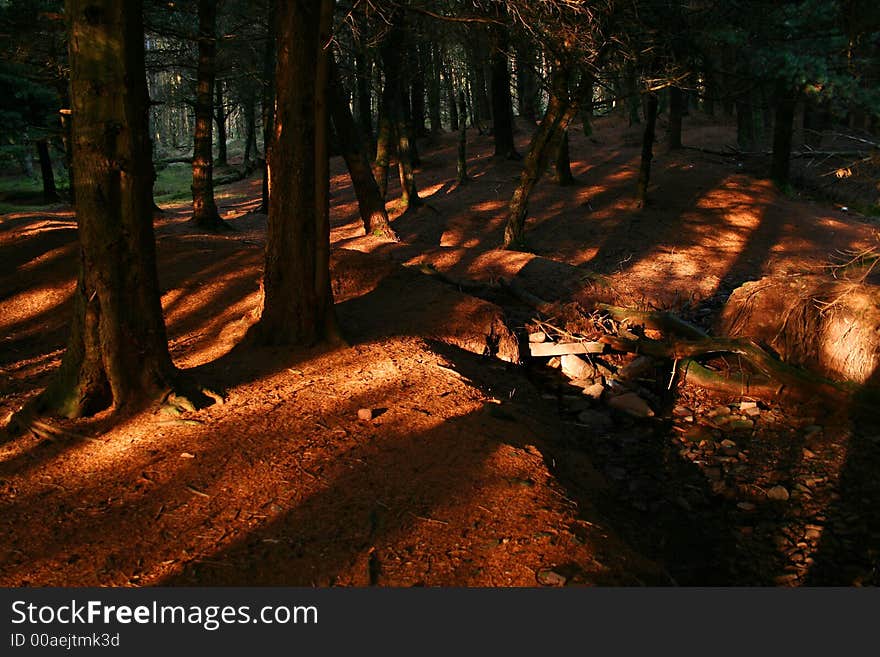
(778, 493)
(636, 368)
(697, 434)
(554, 362)
(594, 419)
(538, 336)
(632, 404)
(745, 506)
(594, 391)
(740, 424)
(681, 411)
(747, 405)
(365, 414)
(729, 448)
(719, 412)
(808, 454)
(550, 578)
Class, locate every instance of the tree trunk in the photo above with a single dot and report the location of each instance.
(364, 95)
(745, 124)
(563, 162)
(502, 105)
(393, 112)
(268, 103)
(480, 106)
(297, 303)
(370, 203)
(461, 165)
(433, 70)
(651, 102)
(558, 115)
(526, 82)
(250, 139)
(383, 145)
(417, 92)
(50, 193)
(220, 118)
(673, 132)
(205, 214)
(451, 100)
(782, 129)
(67, 138)
(118, 353)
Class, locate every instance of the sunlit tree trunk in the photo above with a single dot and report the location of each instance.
(297, 303)
(118, 353)
(205, 214)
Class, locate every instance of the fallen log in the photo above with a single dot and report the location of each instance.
(664, 322)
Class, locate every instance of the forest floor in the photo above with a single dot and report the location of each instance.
(472, 471)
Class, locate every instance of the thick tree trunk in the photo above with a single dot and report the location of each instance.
(297, 300)
(558, 115)
(50, 193)
(673, 132)
(651, 102)
(205, 214)
(370, 203)
(461, 164)
(563, 162)
(502, 104)
(782, 129)
(220, 118)
(118, 353)
(384, 146)
(268, 103)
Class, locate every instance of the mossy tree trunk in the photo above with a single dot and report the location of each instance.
(118, 352)
(297, 307)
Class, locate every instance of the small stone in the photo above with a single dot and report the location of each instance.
(576, 368)
(720, 411)
(778, 493)
(550, 578)
(697, 434)
(812, 534)
(729, 448)
(636, 368)
(752, 412)
(681, 411)
(554, 362)
(745, 506)
(537, 336)
(808, 454)
(740, 424)
(365, 414)
(746, 405)
(631, 404)
(594, 391)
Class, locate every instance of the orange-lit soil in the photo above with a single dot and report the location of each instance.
(468, 473)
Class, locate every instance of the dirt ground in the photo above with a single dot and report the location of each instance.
(473, 471)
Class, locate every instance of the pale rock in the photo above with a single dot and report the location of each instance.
(632, 404)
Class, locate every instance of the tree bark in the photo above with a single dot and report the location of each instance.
(268, 103)
(220, 118)
(417, 91)
(50, 193)
(250, 139)
(461, 164)
(673, 132)
(451, 100)
(560, 110)
(502, 105)
(297, 306)
(526, 82)
(364, 95)
(433, 70)
(651, 102)
(205, 214)
(563, 162)
(370, 203)
(782, 129)
(118, 352)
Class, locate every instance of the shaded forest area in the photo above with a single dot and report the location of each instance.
(439, 293)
